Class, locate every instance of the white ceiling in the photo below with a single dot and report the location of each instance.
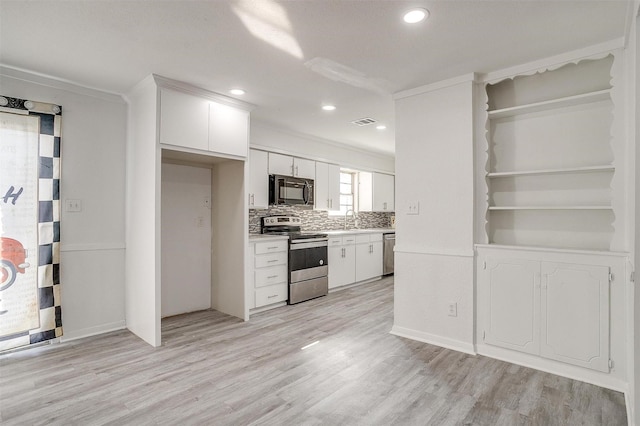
(263, 45)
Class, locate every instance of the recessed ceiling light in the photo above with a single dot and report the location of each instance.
(416, 15)
(381, 127)
(328, 107)
(238, 92)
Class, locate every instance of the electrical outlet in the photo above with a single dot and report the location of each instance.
(206, 201)
(453, 309)
(414, 208)
(73, 205)
(200, 222)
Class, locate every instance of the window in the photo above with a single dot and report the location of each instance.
(346, 192)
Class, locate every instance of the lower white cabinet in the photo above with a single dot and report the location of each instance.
(555, 310)
(342, 261)
(368, 256)
(268, 275)
(354, 258)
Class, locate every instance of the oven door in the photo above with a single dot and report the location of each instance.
(308, 259)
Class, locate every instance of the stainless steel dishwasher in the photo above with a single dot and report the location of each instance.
(389, 241)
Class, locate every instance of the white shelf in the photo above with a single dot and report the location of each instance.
(513, 208)
(600, 95)
(588, 169)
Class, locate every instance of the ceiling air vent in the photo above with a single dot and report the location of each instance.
(364, 121)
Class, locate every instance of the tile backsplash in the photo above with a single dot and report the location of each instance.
(318, 220)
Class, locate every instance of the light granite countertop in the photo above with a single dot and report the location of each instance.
(265, 237)
(359, 231)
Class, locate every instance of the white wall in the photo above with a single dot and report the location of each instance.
(93, 170)
(434, 249)
(271, 139)
(186, 239)
(229, 215)
(142, 275)
(635, 378)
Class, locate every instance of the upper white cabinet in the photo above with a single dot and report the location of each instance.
(287, 165)
(376, 192)
(228, 129)
(258, 179)
(184, 120)
(327, 187)
(551, 164)
(198, 123)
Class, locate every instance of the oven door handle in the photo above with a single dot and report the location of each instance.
(309, 243)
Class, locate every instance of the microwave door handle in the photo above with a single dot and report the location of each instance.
(305, 193)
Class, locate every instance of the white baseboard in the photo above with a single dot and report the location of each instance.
(573, 372)
(433, 339)
(92, 331)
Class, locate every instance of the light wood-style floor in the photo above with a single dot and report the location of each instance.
(216, 370)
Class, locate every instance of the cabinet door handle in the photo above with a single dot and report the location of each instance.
(271, 297)
(297, 174)
(253, 199)
(272, 261)
(270, 277)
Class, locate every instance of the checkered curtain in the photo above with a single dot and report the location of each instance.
(48, 320)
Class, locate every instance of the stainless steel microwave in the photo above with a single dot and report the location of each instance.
(290, 191)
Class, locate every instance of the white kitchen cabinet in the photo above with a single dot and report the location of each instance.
(268, 284)
(376, 192)
(368, 256)
(228, 130)
(575, 314)
(195, 122)
(513, 299)
(555, 310)
(184, 120)
(327, 187)
(286, 165)
(342, 261)
(258, 179)
(383, 192)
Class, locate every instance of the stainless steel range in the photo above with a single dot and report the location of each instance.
(308, 268)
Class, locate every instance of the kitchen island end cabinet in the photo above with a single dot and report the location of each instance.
(268, 285)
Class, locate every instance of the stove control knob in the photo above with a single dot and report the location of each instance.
(321, 262)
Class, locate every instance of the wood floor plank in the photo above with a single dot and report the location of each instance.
(215, 369)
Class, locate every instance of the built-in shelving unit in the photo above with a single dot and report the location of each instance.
(551, 165)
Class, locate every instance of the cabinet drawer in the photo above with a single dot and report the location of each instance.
(271, 246)
(271, 259)
(335, 241)
(271, 275)
(271, 294)
(348, 240)
(375, 237)
(364, 238)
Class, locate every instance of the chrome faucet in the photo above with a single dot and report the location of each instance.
(345, 217)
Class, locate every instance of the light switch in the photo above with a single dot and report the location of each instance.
(414, 207)
(73, 206)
